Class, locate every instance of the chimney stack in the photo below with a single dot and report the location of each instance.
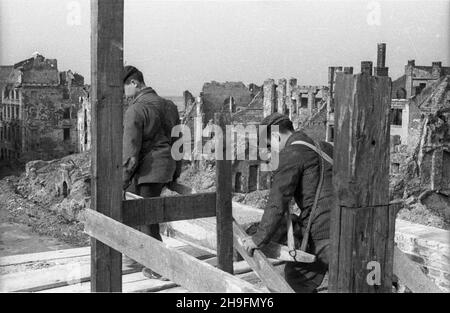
(381, 69)
(381, 55)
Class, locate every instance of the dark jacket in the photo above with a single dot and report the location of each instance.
(172, 118)
(146, 139)
(297, 176)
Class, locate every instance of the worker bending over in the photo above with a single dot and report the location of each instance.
(304, 174)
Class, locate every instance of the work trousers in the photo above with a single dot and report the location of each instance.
(148, 191)
(306, 277)
(302, 277)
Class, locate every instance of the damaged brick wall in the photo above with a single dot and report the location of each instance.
(49, 124)
(38, 110)
(216, 95)
(420, 167)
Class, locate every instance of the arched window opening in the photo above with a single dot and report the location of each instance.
(237, 182)
(65, 190)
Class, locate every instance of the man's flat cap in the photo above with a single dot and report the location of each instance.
(128, 71)
(274, 119)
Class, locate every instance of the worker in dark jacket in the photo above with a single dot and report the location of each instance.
(147, 143)
(297, 177)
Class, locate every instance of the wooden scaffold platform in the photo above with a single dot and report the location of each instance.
(362, 227)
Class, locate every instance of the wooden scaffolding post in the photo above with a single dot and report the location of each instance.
(362, 227)
(224, 212)
(106, 99)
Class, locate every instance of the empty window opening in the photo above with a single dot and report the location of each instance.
(396, 117)
(420, 88)
(237, 182)
(304, 102)
(253, 178)
(66, 134)
(65, 190)
(66, 114)
(294, 106)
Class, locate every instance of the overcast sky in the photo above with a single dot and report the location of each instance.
(180, 45)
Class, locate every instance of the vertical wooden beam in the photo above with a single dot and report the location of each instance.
(106, 167)
(362, 224)
(224, 212)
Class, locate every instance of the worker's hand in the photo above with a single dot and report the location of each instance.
(125, 184)
(128, 167)
(249, 245)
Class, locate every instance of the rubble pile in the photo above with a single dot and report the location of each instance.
(61, 185)
(423, 178)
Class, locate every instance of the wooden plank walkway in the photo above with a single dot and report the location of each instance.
(68, 271)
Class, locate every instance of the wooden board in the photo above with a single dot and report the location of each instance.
(361, 147)
(52, 277)
(202, 232)
(107, 128)
(224, 217)
(260, 264)
(166, 209)
(179, 267)
(362, 223)
(48, 270)
(136, 282)
(14, 260)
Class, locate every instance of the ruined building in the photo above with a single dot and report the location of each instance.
(420, 136)
(244, 103)
(248, 105)
(38, 110)
(409, 87)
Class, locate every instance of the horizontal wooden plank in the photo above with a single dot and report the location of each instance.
(177, 266)
(166, 209)
(136, 282)
(20, 259)
(260, 264)
(52, 277)
(202, 232)
(74, 271)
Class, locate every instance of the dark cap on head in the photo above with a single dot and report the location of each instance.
(274, 119)
(128, 71)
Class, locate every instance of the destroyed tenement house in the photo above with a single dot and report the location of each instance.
(248, 106)
(420, 135)
(46, 114)
(38, 111)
